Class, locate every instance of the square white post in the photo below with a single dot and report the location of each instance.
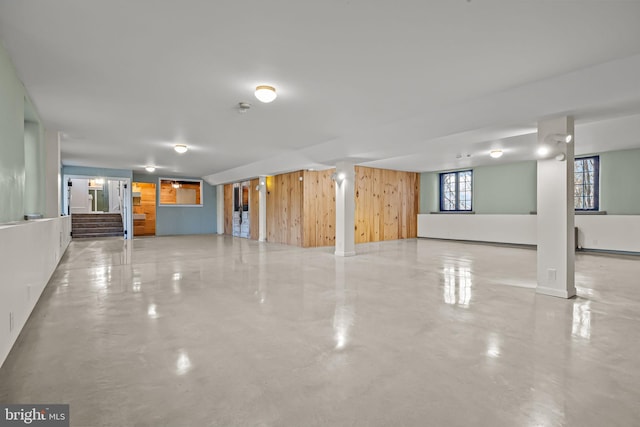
(345, 209)
(556, 213)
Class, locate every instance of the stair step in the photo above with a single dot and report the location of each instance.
(89, 219)
(97, 227)
(95, 224)
(86, 235)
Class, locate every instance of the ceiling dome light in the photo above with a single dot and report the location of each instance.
(496, 154)
(150, 168)
(180, 148)
(266, 93)
(175, 184)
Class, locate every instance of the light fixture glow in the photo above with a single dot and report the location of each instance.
(175, 184)
(543, 150)
(265, 93)
(496, 154)
(559, 137)
(150, 168)
(180, 148)
(338, 177)
(99, 181)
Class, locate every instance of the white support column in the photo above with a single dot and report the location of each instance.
(53, 180)
(556, 214)
(220, 208)
(345, 209)
(262, 209)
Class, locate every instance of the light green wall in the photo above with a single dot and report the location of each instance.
(505, 189)
(502, 189)
(12, 173)
(511, 188)
(429, 192)
(620, 182)
(34, 195)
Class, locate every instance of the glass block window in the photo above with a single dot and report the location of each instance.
(456, 191)
(586, 183)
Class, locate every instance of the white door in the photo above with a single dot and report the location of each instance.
(79, 200)
(115, 201)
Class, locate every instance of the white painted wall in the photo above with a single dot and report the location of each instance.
(609, 232)
(517, 229)
(602, 232)
(29, 254)
(53, 184)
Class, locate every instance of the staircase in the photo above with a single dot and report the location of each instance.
(96, 225)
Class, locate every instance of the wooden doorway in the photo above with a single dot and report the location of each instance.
(144, 208)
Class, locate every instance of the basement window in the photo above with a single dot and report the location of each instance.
(456, 191)
(586, 183)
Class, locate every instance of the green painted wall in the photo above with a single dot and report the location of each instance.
(502, 189)
(620, 182)
(429, 192)
(12, 173)
(91, 172)
(34, 184)
(511, 188)
(505, 189)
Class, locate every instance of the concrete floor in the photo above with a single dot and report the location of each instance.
(220, 331)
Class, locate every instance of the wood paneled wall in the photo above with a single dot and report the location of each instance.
(386, 204)
(228, 209)
(254, 206)
(145, 205)
(284, 208)
(319, 209)
(302, 212)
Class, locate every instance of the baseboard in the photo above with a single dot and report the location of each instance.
(560, 293)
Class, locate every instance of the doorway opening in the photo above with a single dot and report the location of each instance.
(144, 208)
(241, 225)
(98, 206)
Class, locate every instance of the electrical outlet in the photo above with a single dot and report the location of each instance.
(551, 275)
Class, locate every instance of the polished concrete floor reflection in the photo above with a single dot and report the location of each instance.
(220, 331)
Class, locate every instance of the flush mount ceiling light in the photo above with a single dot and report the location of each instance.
(150, 168)
(496, 154)
(180, 148)
(266, 93)
(175, 184)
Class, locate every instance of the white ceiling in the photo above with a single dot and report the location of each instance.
(404, 85)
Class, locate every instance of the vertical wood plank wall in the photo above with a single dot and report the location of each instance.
(228, 209)
(319, 209)
(254, 205)
(386, 204)
(302, 213)
(146, 204)
(284, 208)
